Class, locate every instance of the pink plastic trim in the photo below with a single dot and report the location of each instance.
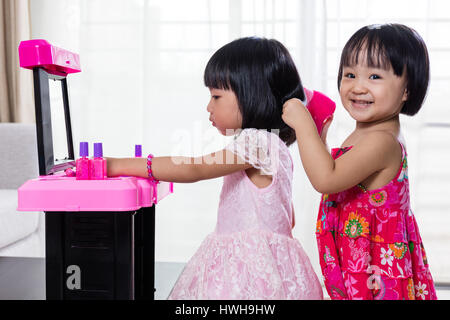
(63, 193)
(40, 53)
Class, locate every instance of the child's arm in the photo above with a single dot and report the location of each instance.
(373, 154)
(179, 169)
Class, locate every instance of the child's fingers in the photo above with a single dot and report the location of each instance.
(328, 121)
(285, 111)
(287, 105)
(326, 125)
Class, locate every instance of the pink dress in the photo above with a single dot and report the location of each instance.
(252, 254)
(369, 242)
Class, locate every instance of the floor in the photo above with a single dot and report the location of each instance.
(166, 274)
(24, 279)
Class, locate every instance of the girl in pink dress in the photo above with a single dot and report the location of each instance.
(368, 239)
(251, 254)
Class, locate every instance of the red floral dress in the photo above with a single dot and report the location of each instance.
(369, 242)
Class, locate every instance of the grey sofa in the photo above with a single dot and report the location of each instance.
(21, 233)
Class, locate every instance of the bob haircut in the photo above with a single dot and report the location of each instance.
(396, 46)
(262, 75)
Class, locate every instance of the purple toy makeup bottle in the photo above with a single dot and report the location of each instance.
(138, 151)
(82, 164)
(98, 164)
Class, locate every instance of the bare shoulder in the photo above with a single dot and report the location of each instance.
(380, 139)
(383, 144)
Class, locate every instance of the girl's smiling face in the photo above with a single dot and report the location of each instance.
(224, 111)
(372, 94)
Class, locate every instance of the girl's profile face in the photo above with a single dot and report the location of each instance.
(371, 94)
(224, 111)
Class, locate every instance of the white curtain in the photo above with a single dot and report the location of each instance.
(16, 84)
(141, 82)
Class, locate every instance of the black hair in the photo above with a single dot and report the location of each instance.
(396, 46)
(262, 75)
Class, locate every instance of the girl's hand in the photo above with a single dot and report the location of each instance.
(294, 112)
(327, 124)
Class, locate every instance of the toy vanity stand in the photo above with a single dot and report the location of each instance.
(100, 234)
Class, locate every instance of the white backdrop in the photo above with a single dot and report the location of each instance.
(141, 82)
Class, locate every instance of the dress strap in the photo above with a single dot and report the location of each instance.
(403, 148)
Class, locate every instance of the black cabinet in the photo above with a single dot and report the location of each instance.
(100, 255)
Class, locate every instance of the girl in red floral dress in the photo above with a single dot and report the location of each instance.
(368, 239)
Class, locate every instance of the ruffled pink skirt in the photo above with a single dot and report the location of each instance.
(248, 265)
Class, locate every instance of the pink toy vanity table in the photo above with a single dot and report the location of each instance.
(99, 233)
